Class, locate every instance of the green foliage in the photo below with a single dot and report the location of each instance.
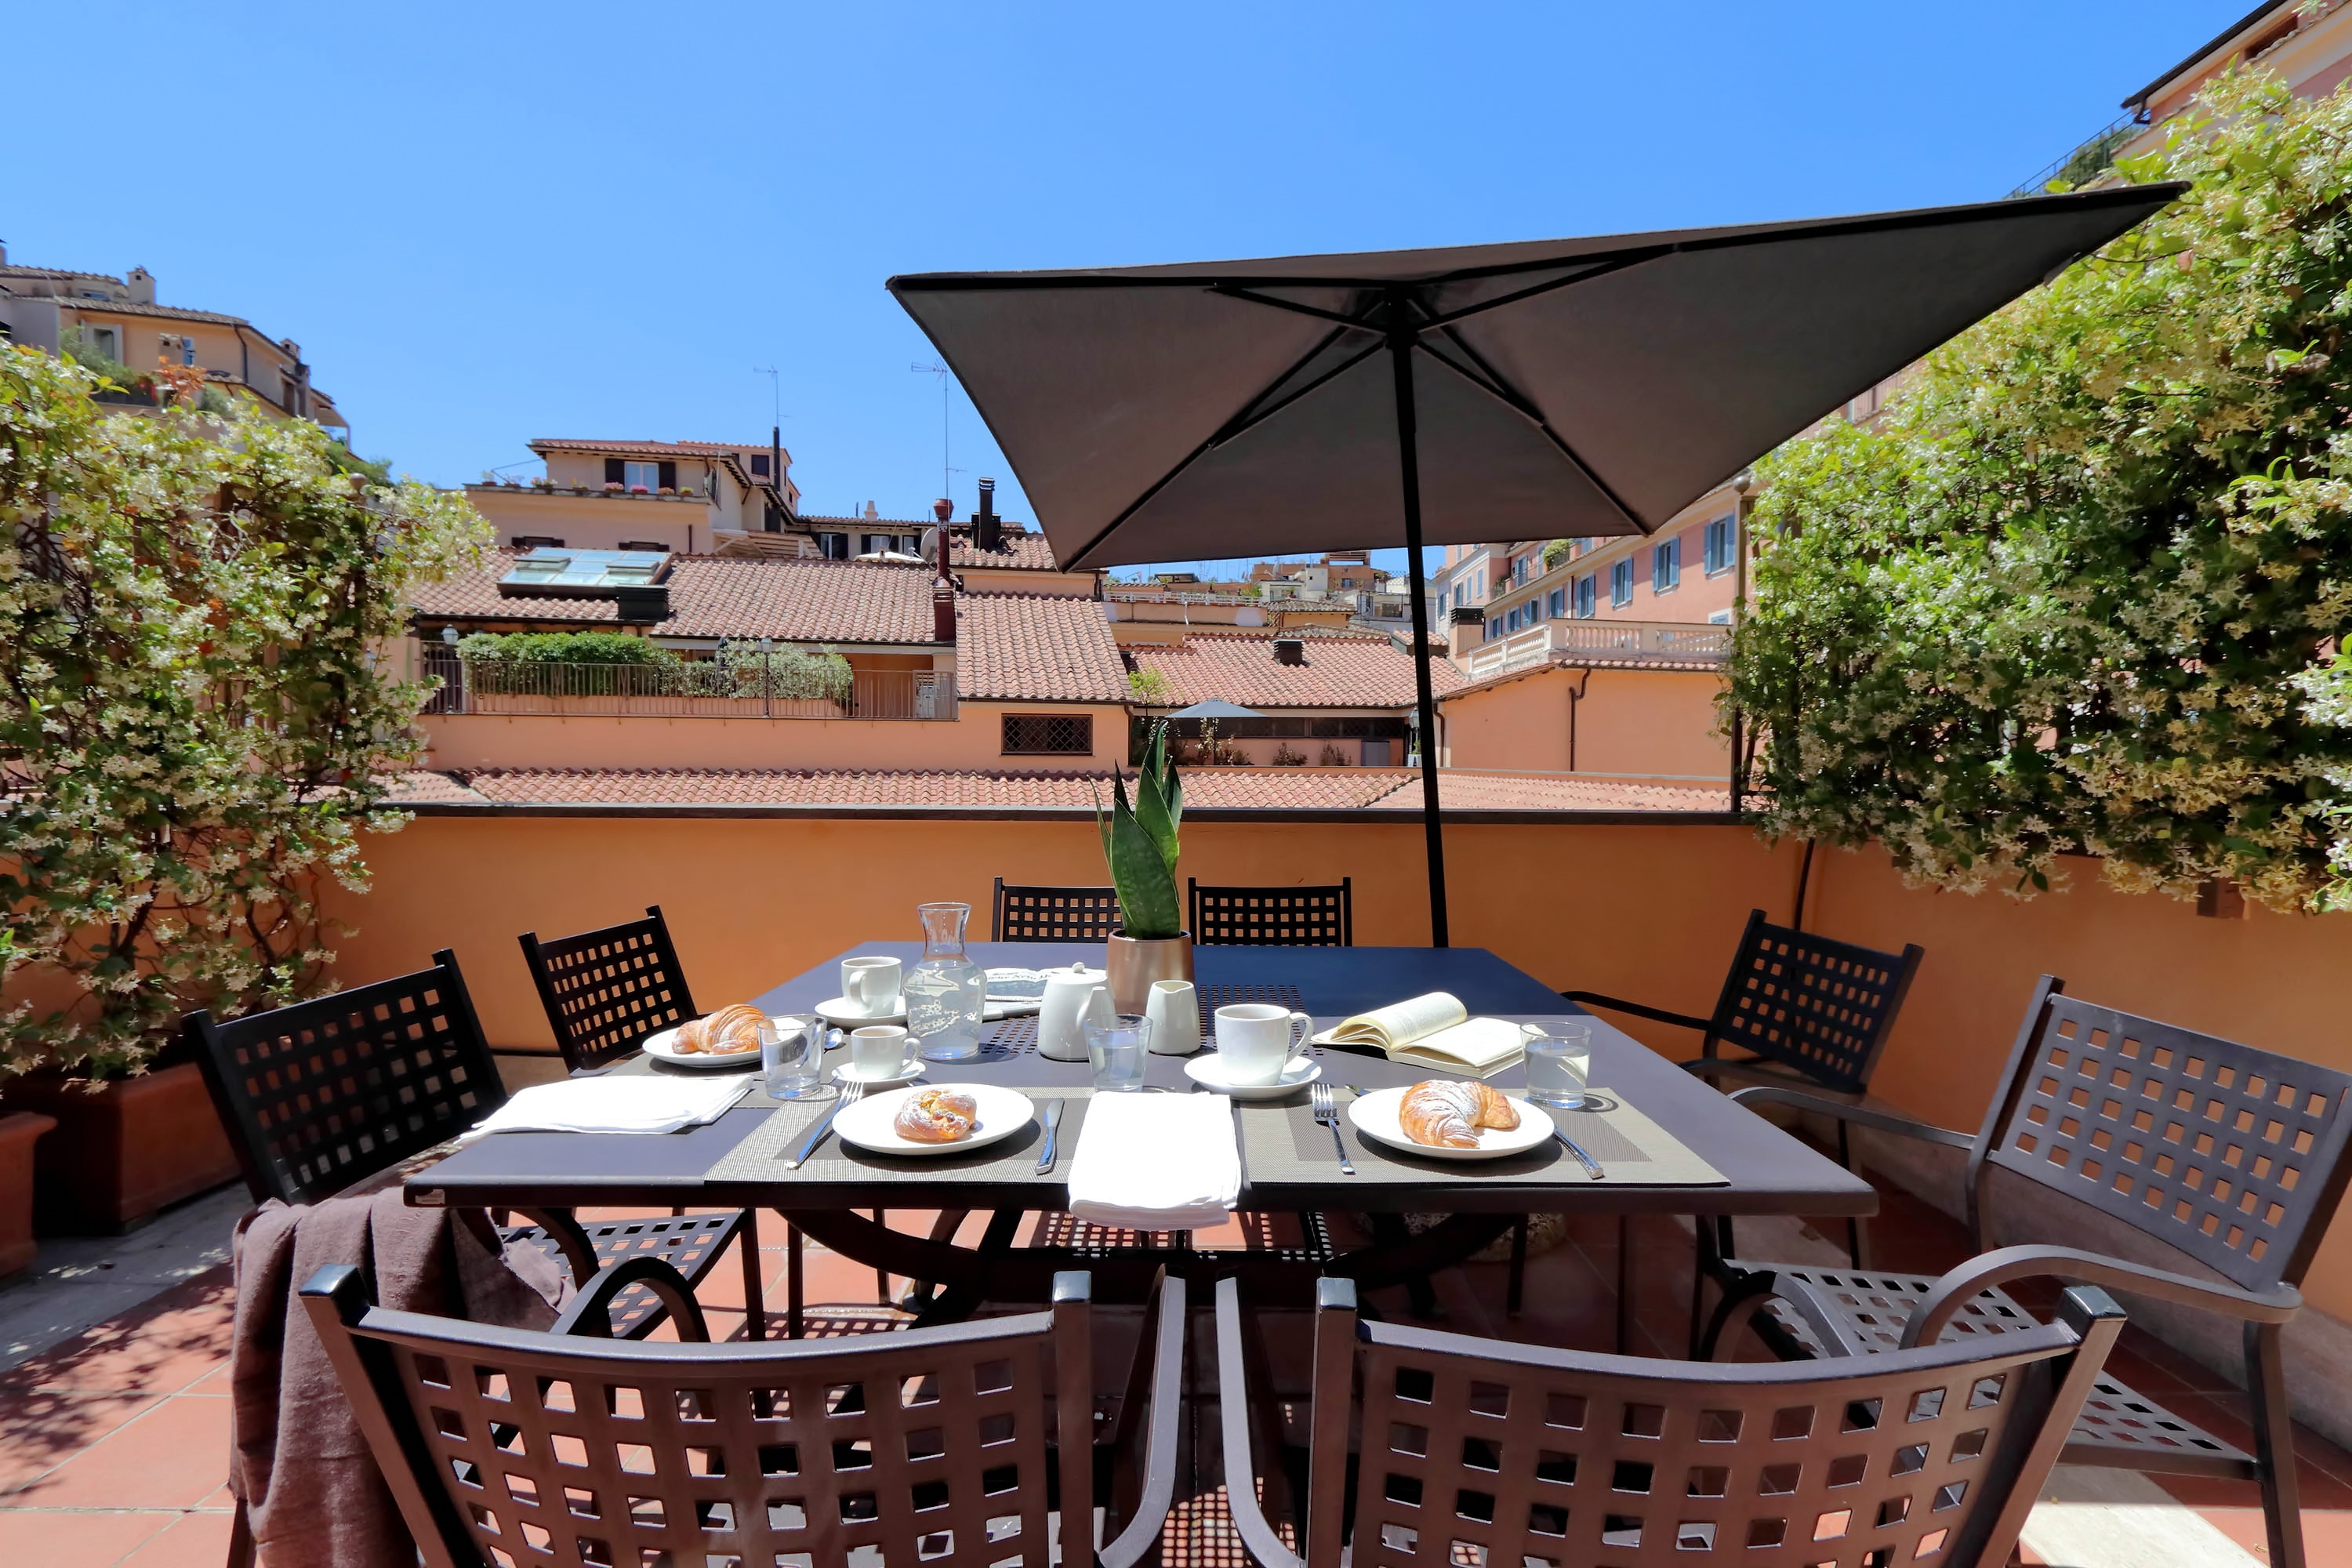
(1149, 686)
(2083, 588)
(785, 674)
(1555, 550)
(79, 346)
(562, 647)
(1139, 842)
(196, 717)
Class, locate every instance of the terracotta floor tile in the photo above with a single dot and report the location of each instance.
(169, 1457)
(75, 1540)
(39, 1432)
(194, 1541)
(161, 1348)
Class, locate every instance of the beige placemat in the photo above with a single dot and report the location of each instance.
(759, 1157)
(1283, 1143)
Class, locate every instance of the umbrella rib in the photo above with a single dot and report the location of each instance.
(1250, 418)
(1493, 384)
(1235, 291)
(1604, 270)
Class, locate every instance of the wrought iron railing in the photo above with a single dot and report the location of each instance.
(2087, 162)
(693, 690)
(1661, 640)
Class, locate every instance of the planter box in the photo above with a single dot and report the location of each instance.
(118, 1155)
(17, 1135)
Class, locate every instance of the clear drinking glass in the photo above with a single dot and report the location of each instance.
(1560, 1056)
(1115, 1051)
(792, 1054)
(946, 991)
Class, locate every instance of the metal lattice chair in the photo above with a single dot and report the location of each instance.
(605, 991)
(937, 1446)
(340, 1092)
(2229, 1155)
(1272, 917)
(1481, 1452)
(1053, 914)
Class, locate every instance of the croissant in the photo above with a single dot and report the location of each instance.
(937, 1116)
(730, 1031)
(1447, 1113)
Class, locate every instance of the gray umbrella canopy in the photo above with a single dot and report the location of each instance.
(1216, 707)
(1538, 390)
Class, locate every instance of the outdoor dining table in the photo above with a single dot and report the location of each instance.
(1762, 1169)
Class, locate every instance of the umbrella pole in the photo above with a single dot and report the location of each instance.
(1409, 458)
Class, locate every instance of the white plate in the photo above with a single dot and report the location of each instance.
(663, 1043)
(1002, 1113)
(844, 1073)
(1375, 1116)
(1209, 1071)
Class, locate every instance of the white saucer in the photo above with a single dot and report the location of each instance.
(843, 1015)
(866, 1124)
(844, 1073)
(1375, 1116)
(1207, 1070)
(662, 1045)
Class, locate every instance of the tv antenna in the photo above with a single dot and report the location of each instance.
(946, 484)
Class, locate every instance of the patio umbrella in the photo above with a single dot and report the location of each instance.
(1534, 390)
(1216, 707)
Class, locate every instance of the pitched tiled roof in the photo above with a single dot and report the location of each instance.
(1340, 671)
(1015, 552)
(659, 448)
(1033, 648)
(133, 308)
(1293, 789)
(726, 597)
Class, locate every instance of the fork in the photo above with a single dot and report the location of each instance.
(1327, 1112)
(851, 1093)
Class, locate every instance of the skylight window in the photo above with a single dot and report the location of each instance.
(583, 572)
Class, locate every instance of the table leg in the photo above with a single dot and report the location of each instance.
(1388, 1230)
(1624, 1284)
(793, 1283)
(1515, 1290)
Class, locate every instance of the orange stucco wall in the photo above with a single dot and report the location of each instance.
(975, 739)
(1654, 721)
(1637, 910)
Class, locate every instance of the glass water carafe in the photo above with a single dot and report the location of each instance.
(947, 992)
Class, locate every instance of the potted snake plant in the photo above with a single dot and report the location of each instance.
(1139, 848)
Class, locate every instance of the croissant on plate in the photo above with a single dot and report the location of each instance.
(730, 1031)
(1446, 1113)
(937, 1116)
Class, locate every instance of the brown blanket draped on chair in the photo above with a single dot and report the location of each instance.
(298, 1462)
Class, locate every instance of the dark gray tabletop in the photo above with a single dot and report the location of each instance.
(1767, 1171)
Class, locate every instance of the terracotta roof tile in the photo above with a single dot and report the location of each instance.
(726, 597)
(419, 785)
(1035, 648)
(678, 448)
(1340, 671)
(1465, 790)
(1015, 552)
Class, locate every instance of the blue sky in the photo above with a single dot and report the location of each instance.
(489, 222)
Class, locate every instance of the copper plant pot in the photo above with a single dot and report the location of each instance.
(1136, 961)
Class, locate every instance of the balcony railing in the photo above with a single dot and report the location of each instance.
(691, 691)
(1665, 641)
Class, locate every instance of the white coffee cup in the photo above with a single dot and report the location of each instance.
(1257, 1042)
(870, 986)
(878, 1051)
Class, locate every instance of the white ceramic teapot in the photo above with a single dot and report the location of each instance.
(1074, 996)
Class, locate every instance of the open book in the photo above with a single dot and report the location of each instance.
(1433, 1031)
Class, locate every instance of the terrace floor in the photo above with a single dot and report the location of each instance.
(114, 1441)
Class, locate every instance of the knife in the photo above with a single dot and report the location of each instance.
(1053, 1121)
(817, 1134)
(1591, 1166)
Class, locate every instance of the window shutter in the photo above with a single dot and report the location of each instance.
(669, 476)
(614, 473)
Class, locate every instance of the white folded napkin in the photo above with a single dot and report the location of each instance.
(637, 1104)
(1156, 1162)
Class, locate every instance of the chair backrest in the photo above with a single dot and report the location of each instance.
(605, 991)
(324, 1093)
(2229, 1154)
(1272, 917)
(1053, 914)
(1482, 1451)
(506, 1446)
(1820, 1007)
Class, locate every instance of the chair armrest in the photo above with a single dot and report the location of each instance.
(1745, 1296)
(579, 1252)
(589, 1313)
(1166, 1346)
(1618, 1004)
(1956, 1288)
(1861, 1116)
(1233, 1411)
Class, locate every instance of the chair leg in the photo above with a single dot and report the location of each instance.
(881, 1276)
(755, 1297)
(1857, 1234)
(1389, 1229)
(1515, 1289)
(794, 1323)
(2274, 1421)
(240, 1538)
(1624, 1284)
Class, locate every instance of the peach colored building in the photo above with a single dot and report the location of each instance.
(1330, 699)
(48, 307)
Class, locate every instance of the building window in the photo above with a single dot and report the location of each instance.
(103, 340)
(1620, 584)
(1049, 734)
(1519, 568)
(760, 465)
(1718, 617)
(1534, 611)
(1715, 550)
(1666, 566)
(539, 542)
(1558, 603)
(1584, 586)
(834, 546)
(643, 545)
(1461, 594)
(647, 474)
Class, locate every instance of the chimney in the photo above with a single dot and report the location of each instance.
(943, 510)
(142, 286)
(1290, 650)
(942, 611)
(987, 533)
(871, 515)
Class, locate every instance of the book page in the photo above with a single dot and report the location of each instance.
(1399, 1022)
(1478, 1046)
